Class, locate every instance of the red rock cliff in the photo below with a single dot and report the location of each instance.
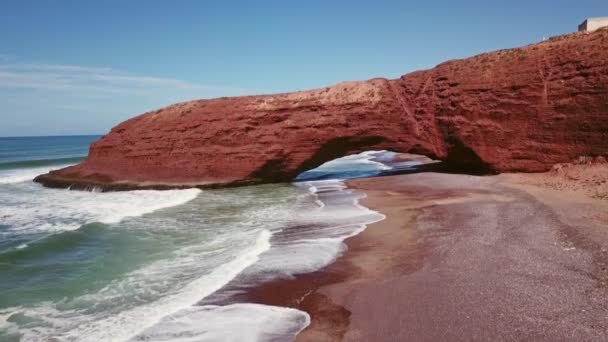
(520, 109)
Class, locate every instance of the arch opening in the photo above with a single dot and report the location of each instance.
(372, 163)
(371, 156)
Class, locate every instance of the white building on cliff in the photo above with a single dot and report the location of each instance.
(592, 24)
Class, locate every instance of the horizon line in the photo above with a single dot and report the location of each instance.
(50, 136)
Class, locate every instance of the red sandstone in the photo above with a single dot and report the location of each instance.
(521, 109)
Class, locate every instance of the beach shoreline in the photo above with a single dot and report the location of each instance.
(432, 269)
(306, 292)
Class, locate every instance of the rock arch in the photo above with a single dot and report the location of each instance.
(489, 113)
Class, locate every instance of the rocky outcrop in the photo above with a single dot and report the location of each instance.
(521, 109)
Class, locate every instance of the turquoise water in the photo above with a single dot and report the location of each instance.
(89, 266)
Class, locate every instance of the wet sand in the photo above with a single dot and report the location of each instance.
(461, 258)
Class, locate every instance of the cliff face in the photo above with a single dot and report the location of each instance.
(521, 109)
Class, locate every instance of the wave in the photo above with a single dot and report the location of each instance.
(176, 297)
(353, 166)
(23, 164)
(326, 214)
(25, 175)
(314, 238)
(251, 322)
(26, 170)
(51, 245)
(76, 319)
(146, 304)
(34, 209)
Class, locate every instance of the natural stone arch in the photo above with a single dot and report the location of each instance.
(488, 113)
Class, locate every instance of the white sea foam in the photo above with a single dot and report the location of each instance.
(359, 162)
(317, 237)
(230, 323)
(146, 304)
(24, 175)
(32, 208)
(315, 241)
(120, 324)
(312, 238)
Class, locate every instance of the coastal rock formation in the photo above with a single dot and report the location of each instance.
(521, 109)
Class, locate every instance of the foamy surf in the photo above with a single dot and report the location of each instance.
(182, 264)
(364, 164)
(220, 234)
(359, 162)
(24, 175)
(37, 209)
(229, 323)
(311, 238)
(315, 236)
(128, 323)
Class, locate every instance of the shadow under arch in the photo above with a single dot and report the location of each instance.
(459, 159)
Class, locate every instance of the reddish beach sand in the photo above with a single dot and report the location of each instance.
(462, 258)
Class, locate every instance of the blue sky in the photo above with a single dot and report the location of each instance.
(80, 67)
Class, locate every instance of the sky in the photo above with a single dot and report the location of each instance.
(81, 67)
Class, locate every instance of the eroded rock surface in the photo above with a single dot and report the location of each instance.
(521, 109)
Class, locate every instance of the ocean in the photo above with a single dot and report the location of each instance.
(139, 265)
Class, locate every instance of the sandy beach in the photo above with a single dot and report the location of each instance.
(462, 258)
(310, 171)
